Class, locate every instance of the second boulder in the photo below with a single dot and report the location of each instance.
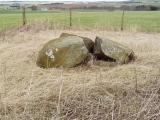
(110, 51)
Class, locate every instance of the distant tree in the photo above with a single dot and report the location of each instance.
(93, 7)
(153, 8)
(110, 8)
(33, 8)
(125, 7)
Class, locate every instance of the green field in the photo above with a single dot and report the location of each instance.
(90, 19)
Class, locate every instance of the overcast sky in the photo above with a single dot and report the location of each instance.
(63, 0)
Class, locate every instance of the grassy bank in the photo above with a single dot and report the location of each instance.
(130, 91)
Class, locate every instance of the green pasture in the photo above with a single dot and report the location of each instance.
(90, 19)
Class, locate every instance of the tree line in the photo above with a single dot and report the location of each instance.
(109, 8)
(125, 7)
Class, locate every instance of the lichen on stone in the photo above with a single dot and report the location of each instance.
(56, 49)
(49, 53)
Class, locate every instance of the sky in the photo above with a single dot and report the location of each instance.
(64, 0)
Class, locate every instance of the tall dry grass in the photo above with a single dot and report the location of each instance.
(130, 91)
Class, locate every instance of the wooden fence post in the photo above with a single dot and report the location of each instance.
(24, 15)
(70, 18)
(122, 19)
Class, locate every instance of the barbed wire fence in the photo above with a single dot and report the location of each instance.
(82, 18)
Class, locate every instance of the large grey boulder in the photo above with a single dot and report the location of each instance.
(87, 41)
(110, 51)
(62, 52)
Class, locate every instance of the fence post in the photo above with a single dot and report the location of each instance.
(24, 15)
(122, 19)
(70, 17)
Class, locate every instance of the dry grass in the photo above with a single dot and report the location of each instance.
(129, 91)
